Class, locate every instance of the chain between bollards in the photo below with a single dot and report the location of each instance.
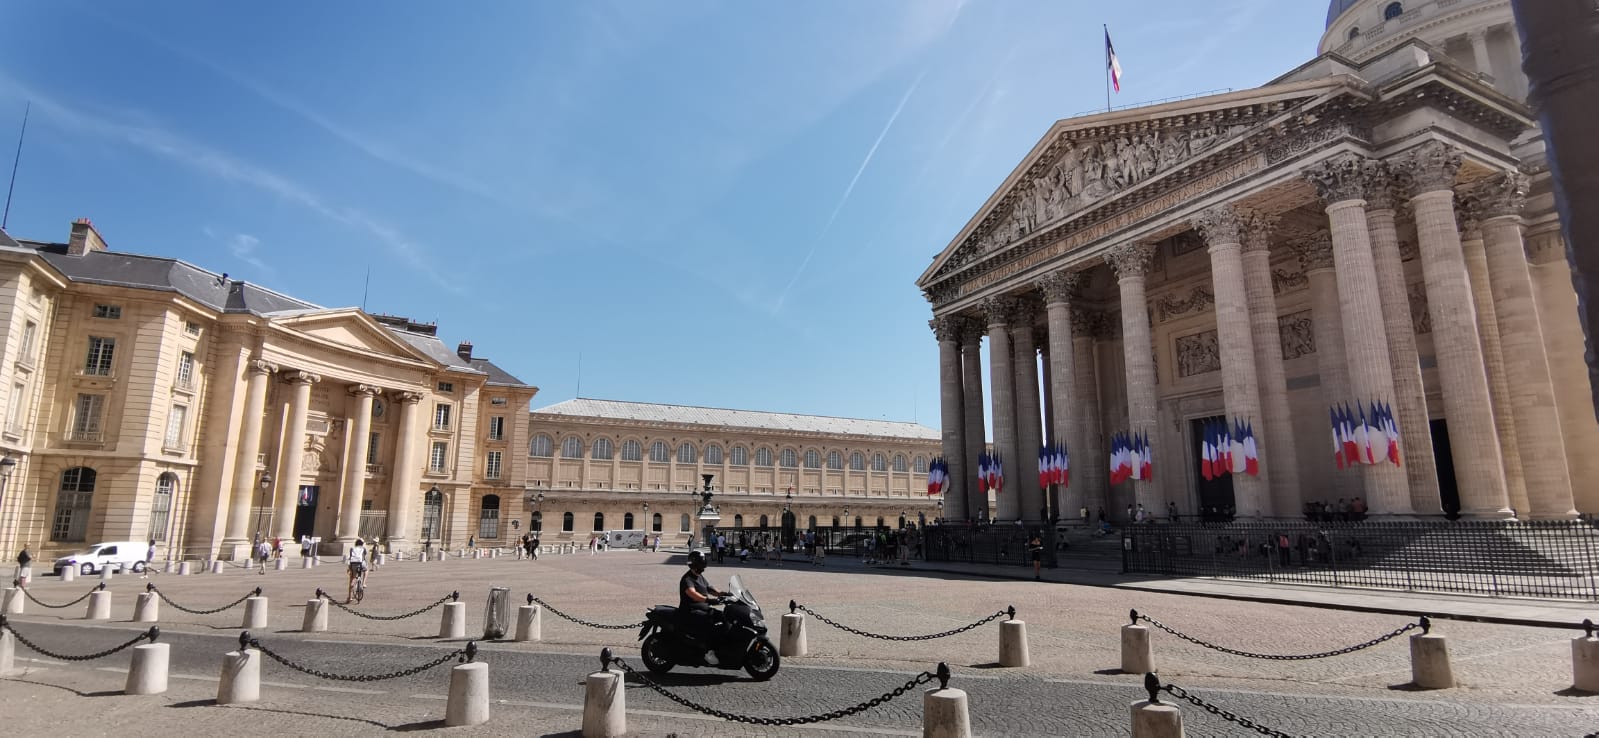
(1011, 611)
(252, 593)
(604, 626)
(1424, 624)
(462, 655)
(1153, 685)
(451, 597)
(149, 635)
(98, 588)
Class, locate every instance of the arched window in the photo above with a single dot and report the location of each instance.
(1394, 10)
(599, 521)
(538, 522)
(627, 521)
(1354, 33)
(835, 460)
(920, 465)
(660, 453)
(73, 504)
(632, 451)
(683, 524)
(813, 460)
(541, 445)
(432, 512)
(788, 459)
(488, 517)
(738, 521)
(655, 523)
(603, 449)
(857, 461)
(879, 462)
(763, 457)
(166, 486)
(713, 454)
(572, 448)
(739, 456)
(835, 521)
(857, 521)
(685, 454)
(899, 463)
(567, 522)
(763, 521)
(812, 524)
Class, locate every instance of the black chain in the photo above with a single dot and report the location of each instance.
(1282, 657)
(147, 635)
(962, 629)
(580, 621)
(42, 603)
(919, 679)
(1223, 714)
(447, 598)
(464, 654)
(254, 593)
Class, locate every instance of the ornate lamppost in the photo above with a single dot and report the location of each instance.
(265, 484)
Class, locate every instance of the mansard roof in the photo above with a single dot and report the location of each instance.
(121, 269)
(726, 418)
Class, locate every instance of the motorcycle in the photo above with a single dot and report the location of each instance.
(738, 640)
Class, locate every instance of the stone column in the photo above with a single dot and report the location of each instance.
(292, 455)
(1316, 258)
(406, 469)
(1001, 381)
(1563, 337)
(1479, 53)
(1341, 183)
(1088, 459)
(1240, 384)
(976, 438)
(1065, 407)
(1428, 172)
(1131, 264)
(1410, 395)
(1476, 257)
(1022, 473)
(1548, 484)
(951, 404)
(245, 489)
(354, 487)
(1278, 448)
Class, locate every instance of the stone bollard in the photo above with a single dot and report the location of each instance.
(468, 702)
(99, 605)
(305, 562)
(249, 562)
(147, 607)
(255, 612)
(452, 623)
(241, 676)
(529, 621)
(216, 566)
(1013, 641)
(69, 574)
(11, 604)
(383, 558)
(1429, 659)
(1153, 718)
(148, 674)
(1136, 656)
(106, 573)
(183, 568)
(171, 567)
(316, 615)
(8, 650)
(792, 639)
(944, 713)
(422, 557)
(282, 564)
(1585, 659)
(604, 702)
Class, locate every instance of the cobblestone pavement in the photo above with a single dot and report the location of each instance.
(1514, 679)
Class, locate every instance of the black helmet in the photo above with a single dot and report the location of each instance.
(696, 561)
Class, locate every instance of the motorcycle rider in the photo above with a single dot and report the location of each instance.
(694, 598)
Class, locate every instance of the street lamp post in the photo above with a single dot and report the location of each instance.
(433, 501)
(265, 484)
(7, 465)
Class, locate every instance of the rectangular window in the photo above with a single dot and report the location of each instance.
(101, 353)
(19, 398)
(497, 428)
(492, 467)
(497, 401)
(372, 447)
(185, 369)
(441, 417)
(109, 312)
(86, 417)
(446, 386)
(192, 328)
(175, 421)
(439, 457)
(30, 331)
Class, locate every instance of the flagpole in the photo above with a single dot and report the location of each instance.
(1107, 66)
(15, 160)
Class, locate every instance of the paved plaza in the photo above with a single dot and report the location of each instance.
(1514, 680)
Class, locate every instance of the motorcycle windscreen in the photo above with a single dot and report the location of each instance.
(735, 586)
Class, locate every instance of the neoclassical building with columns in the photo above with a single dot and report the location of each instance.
(1374, 226)
(146, 398)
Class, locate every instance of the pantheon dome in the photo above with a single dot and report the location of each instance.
(1479, 35)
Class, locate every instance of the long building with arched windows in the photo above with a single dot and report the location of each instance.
(604, 465)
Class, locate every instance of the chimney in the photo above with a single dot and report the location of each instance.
(464, 350)
(84, 238)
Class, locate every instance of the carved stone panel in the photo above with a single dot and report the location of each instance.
(1283, 280)
(1419, 317)
(1170, 306)
(1296, 331)
(1198, 354)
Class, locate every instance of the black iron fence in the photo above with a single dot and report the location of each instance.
(999, 543)
(1550, 559)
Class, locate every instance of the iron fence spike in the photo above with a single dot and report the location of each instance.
(1587, 626)
(100, 587)
(455, 596)
(149, 587)
(1010, 612)
(1426, 625)
(792, 607)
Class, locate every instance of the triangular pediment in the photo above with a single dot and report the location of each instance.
(1083, 163)
(348, 328)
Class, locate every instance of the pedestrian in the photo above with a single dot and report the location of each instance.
(656, 546)
(1084, 513)
(263, 554)
(24, 566)
(1035, 549)
(1171, 510)
(521, 547)
(149, 559)
(277, 547)
(471, 542)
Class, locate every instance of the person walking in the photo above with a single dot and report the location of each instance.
(1035, 549)
(149, 560)
(263, 554)
(24, 566)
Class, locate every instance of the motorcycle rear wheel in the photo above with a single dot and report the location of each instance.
(651, 653)
(762, 661)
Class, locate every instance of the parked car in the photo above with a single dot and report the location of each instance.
(120, 555)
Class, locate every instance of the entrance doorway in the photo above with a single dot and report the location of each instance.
(1448, 490)
(1215, 495)
(305, 511)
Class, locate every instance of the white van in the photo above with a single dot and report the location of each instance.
(120, 555)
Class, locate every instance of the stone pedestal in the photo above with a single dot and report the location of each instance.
(1585, 663)
(147, 607)
(792, 641)
(316, 616)
(1013, 644)
(99, 605)
(1156, 721)
(241, 677)
(529, 623)
(148, 674)
(255, 614)
(945, 715)
(1136, 655)
(1429, 662)
(604, 705)
(469, 695)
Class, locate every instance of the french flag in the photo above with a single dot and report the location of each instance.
(1112, 63)
(1251, 451)
(1338, 443)
(1391, 427)
(1347, 428)
(1146, 470)
(982, 473)
(1206, 464)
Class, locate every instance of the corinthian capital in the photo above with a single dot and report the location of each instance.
(1130, 259)
(1430, 167)
(1499, 196)
(1314, 249)
(1381, 186)
(1024, 312)
(1342, 177)
(1059, 286)
(257, 366)
(1258, 228)
(947, 327)
(1468, 218)
(1219, 225)
(998, 309)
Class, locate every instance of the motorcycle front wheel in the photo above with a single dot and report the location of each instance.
(653, 652)
(762, 661)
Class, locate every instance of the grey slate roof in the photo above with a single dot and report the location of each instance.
(7, 241)
(167, 275)
(435, 349)
(688, 414)
(496, 374)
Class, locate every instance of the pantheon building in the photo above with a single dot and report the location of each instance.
(1373, 227)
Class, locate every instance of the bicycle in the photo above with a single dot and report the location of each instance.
(360, 587)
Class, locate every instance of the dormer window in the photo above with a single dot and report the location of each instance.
(1394, 10)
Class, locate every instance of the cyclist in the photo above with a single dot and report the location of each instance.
(356, 558)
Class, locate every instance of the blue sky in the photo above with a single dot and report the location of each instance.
(715, 203)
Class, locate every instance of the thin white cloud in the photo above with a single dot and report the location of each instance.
(242, 246)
